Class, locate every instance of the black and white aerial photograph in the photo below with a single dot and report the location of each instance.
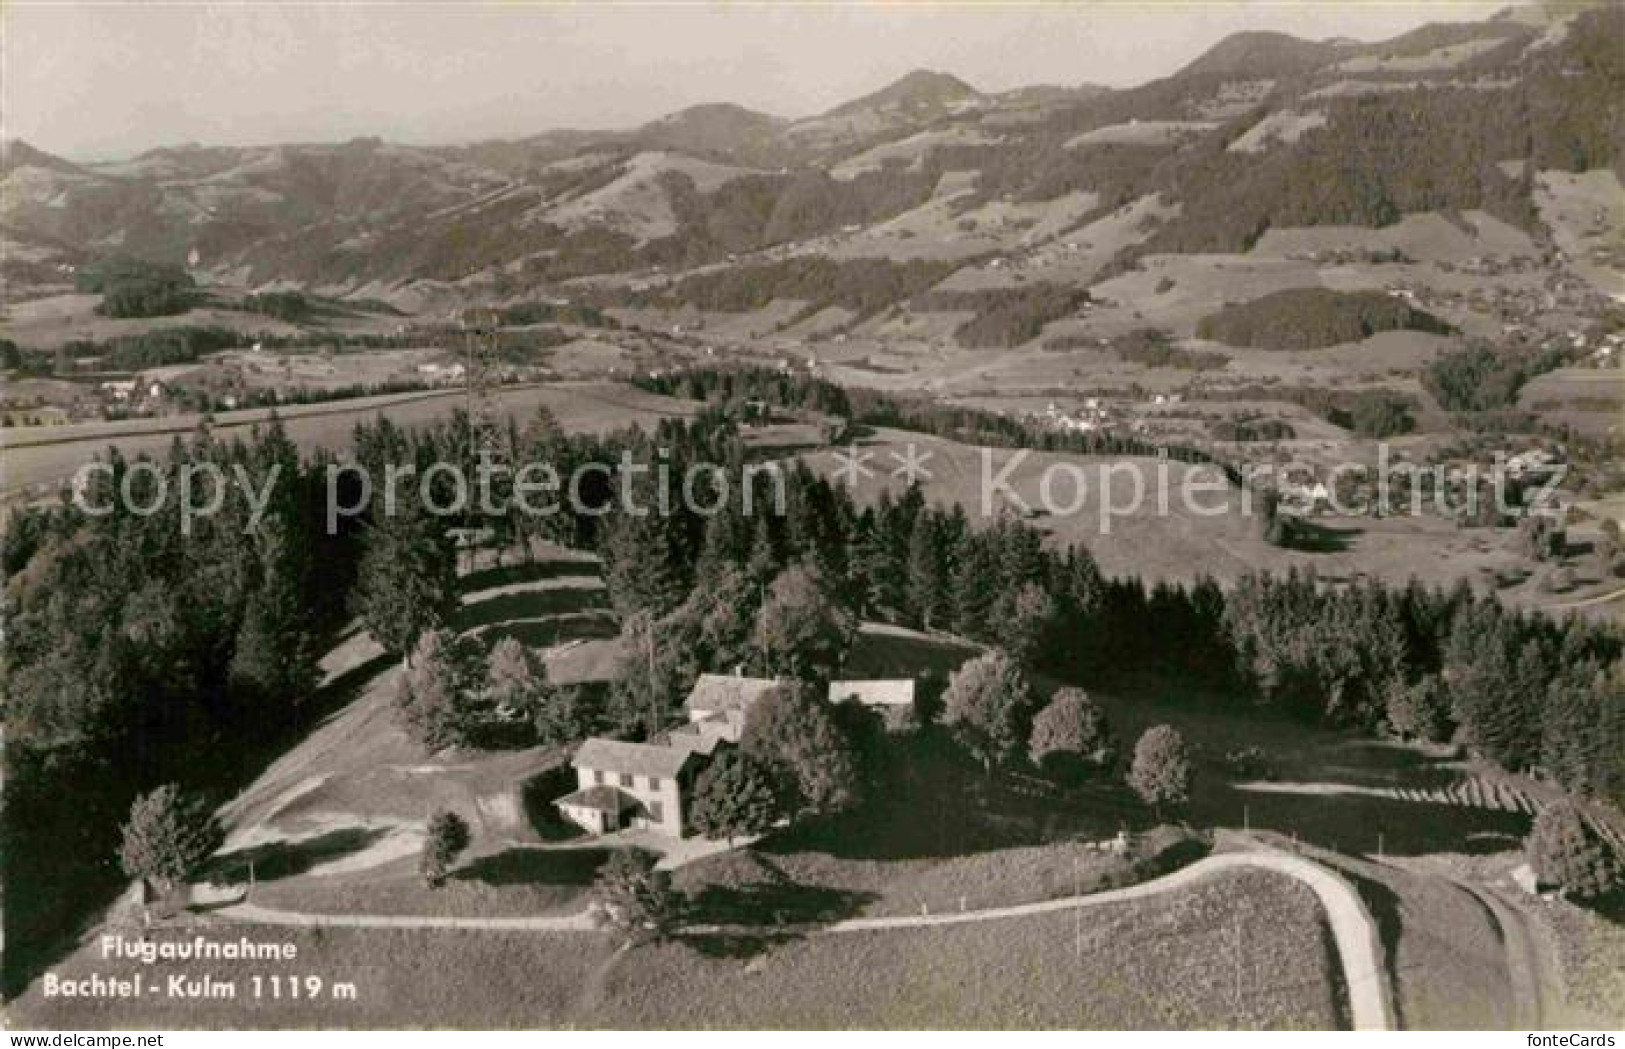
(783, 516)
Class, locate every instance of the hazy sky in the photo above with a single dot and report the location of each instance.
(105, 80)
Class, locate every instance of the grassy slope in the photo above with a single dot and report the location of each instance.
(1308, 764)
(590, 407)
(1185, 539)
(404, 978)
(793, 880)
(1143, 964)
(1444, 948)
(334, 824)
(1136, 965)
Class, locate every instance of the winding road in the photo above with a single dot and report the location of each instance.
(1359, 949)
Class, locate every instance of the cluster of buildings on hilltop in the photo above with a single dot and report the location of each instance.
(650, 785)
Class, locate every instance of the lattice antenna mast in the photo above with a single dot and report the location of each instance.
(487, 450)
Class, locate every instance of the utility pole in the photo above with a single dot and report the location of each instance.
(1237, 965)
(649, 656)
(1077, 911)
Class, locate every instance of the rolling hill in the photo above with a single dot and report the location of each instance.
(1262, 133)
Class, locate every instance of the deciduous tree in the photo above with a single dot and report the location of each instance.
(444, 840)
(1070, 736)
(988, 705)
(633, 898)
(1566, 854)
(168, 837)
(1162, 771)
(407, 583)
(801, 630)
(792, 731)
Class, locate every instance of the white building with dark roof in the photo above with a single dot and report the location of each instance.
(621, 785)
(649, 785)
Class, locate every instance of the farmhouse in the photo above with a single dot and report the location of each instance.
(650, 785)
(622, 785)
(726, 698)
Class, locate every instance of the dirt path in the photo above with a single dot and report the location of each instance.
(1535, 1001)
(1358, 945)
(252, 912)
(1600, 599)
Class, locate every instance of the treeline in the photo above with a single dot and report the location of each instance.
(1485, 377)
(1374, 413)
(140, 652)
(757, 211)
(290, 307)
(132, 287)
(1154, 352)
(1148, 347)
(863, 286)
(1005, 317)
(186, 344)
(153, 349)
(868, 407)
(524, 314)
(203, 399)
(1312, 318)
(1525, 691)
(1251, 429)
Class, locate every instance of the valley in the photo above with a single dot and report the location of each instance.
(1190, 592)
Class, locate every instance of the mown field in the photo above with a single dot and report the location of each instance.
(335, 824)
(1145, 964)
(1134, 516)
(1338, 790)
(1141, 964)
(38, 456)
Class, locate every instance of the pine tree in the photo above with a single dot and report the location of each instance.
(975, 587)
(273, 662)
(927, 586)
(724, 548)
(764, 560)
(407, 583)
(644, 565)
